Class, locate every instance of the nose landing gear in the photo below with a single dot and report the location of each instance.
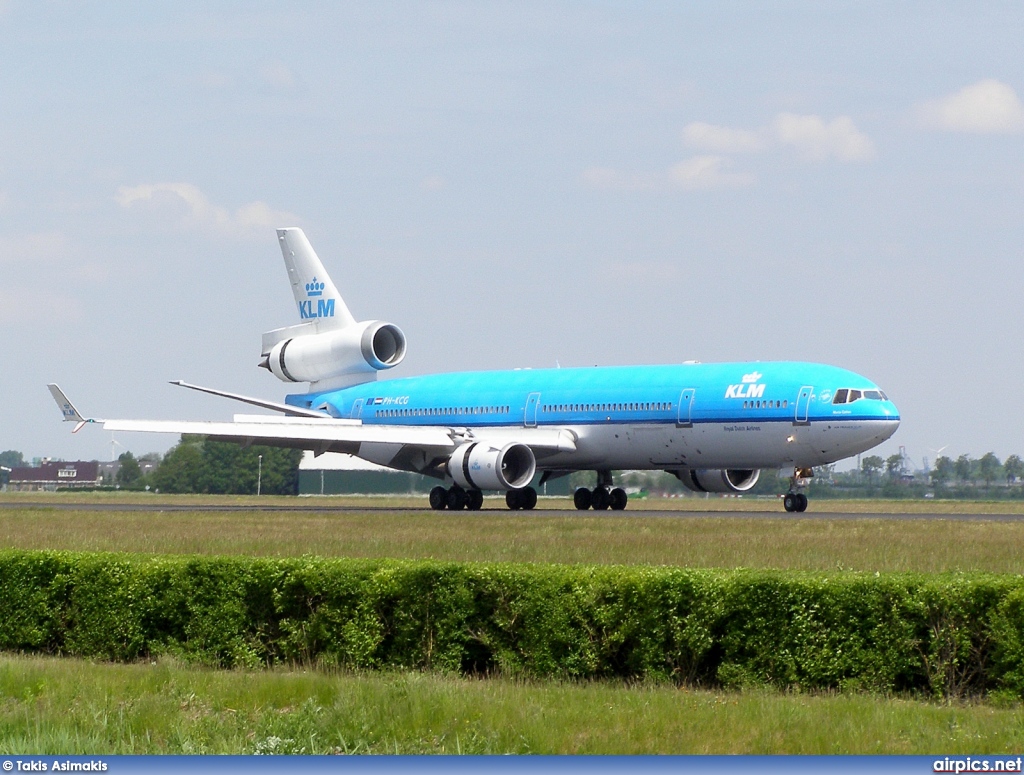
(795, 500)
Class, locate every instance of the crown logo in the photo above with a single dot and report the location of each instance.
(314, 288)
(752, 377)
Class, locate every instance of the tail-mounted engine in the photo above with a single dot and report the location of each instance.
(478, 466)
(337, 357)
(718, 479)
(328, 349)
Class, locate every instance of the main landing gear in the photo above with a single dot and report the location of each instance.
(795, 500)
(601, 498)
(457, 499)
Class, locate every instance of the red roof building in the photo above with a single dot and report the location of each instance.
(57, 475)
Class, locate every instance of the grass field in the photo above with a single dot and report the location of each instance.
(69, 706)
(690, 503)
(731, 540)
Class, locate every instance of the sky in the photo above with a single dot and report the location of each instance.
(514, 185)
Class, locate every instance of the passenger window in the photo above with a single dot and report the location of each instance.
(840, 396)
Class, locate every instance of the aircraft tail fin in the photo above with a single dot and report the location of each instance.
(315, 294)
(71, 414)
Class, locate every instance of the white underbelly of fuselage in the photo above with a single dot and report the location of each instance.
(714, 445)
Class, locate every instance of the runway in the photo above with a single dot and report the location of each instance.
(495, 510)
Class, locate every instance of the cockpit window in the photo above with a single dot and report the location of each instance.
(848, 395)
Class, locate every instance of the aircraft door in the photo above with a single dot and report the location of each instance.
(530, 417)
(684, 416)
(803, 406)
(357, 409)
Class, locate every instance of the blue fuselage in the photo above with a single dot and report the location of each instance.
(757, 414)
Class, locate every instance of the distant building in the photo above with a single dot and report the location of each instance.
(55, 475)
(336, 473)
(109, 469)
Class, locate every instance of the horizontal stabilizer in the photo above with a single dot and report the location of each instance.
(274, 405)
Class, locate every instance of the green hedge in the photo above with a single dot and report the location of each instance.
(947, 635)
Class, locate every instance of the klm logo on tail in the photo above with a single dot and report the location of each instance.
(324, 307)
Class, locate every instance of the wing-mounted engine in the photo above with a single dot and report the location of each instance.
(479, 466)
(329, 349)
(718, 479)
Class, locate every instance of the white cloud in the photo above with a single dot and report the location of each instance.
(812, 136)
(38, 248)
(987, 107)
(21, 305)
(639, 271)
(278, 74)
(697, 172)
(722, 139)
(818, 141)
(191, 208)
(215, 79)
(434, 183)
(608, 179)
(815, 139)
(707, 172)
(35, 269)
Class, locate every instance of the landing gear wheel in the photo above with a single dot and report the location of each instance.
(789, 502)
(524, 498)
(438, 498)
(601, 499)
(582, 498)
(619, 499)
(801, 502)
(527, 498)
(456, 499)
(474, 500)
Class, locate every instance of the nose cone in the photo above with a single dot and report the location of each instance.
(889, 417)
(886, 429)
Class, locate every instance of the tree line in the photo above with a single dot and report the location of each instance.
(198, 465)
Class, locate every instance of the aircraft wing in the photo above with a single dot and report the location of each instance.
(420, 446)
(318, 435)
(330, 435)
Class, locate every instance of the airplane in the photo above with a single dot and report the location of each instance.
(715, 426)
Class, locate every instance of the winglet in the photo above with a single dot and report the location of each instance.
(68, 409)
